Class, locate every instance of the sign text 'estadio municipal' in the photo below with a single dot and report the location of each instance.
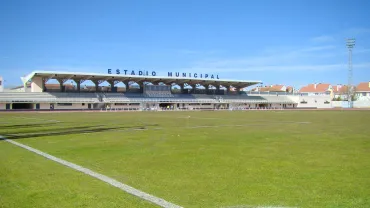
(169, 74)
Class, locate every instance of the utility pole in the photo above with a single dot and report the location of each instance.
(350, 44)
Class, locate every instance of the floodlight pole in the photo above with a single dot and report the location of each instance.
(350, 44)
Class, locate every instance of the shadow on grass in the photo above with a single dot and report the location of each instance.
(51, 129)
(16, 126)
(73, 130)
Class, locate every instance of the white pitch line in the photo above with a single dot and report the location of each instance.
(153, 199)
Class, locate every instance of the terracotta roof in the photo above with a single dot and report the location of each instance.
(340, 89)
(272, 88)
(319, 88)
(289, 89)
(363, 87)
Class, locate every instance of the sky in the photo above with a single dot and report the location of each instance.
(291, 42)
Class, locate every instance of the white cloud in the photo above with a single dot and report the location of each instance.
(276, 58)
(279, 60)
(323, 39)
(258, 68)
(313, 58)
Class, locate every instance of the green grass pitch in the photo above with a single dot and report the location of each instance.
(220, 159)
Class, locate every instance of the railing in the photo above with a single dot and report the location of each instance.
(120, 97)
(48, 97)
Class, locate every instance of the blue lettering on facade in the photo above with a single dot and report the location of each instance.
(169, 74)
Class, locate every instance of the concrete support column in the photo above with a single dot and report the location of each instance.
(78, 83)
(36, 84)
(182, 86)
(61, 82)
(78, 86)
(218, 89)
(43, 84)
(96, 82)
(141, 85)
(126, 85)
(111, 85)
(194, 87)
(207, 88)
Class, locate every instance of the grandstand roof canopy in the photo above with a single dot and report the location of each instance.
(137, 78)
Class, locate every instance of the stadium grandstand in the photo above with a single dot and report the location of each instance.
(155, 93)
(139, 93)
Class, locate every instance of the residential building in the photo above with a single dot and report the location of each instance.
(274, 88)
(363, 91)
(339, 92)
(316, 89)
